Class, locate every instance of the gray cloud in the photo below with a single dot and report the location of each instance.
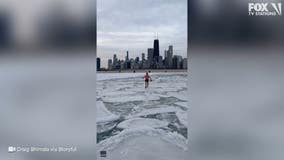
(131, 25)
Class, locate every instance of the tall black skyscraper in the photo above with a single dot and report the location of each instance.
(156, 50)
(98, 64)
(127, 56)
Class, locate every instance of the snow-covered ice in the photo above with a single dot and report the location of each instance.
(183, 104)
(137, 123)
(154, 111)
(110, 76)
(104, 115)
(182, 116)
(145, 143)
(105, 119)
(130, 97)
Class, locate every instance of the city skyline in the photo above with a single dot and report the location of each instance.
(133, 54)
(132, 25)
(154, 60)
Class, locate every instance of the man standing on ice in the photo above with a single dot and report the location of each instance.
(147, 78)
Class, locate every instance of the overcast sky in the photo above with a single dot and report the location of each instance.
(131, 25)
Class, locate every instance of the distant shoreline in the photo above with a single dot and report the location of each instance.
(144, 70)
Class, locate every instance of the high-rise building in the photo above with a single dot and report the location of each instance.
(145, 65)
(143, 56)
(177, 62)
(150, 56)
(98, 64)
(132, 63)
(165, 59)
(160, 64)
(118, 64)
(114, 60)
(109, 63)
(184, 63)
(170, 57)
(156, 50)
(137, 59)
(169, 61)
(127, 56)
(122, 64)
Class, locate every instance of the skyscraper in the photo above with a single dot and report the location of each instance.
(127, 56)
(109, 64)
(114, 60)
(137, 59)
(150, 56)
(170, 57)
(143, 56)
(156, 50)
(177, 62)
(98, 64)
(184, 63)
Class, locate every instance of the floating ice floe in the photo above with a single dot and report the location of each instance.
(105, 119)
(141, 122)
(145, 143)
(103, 114)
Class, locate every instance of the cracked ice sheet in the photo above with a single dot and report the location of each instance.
(183, 104)
(124, 92)
(180, 95)
(142, 122)
(173, 86)
(153, 143)
(105, 119)
(182, 116)
(153, 111)
(130, 98)
(103, 114)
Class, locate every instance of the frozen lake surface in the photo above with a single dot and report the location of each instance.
(151, 121)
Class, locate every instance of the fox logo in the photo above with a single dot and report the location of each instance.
(277, 7)
(265, 8)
